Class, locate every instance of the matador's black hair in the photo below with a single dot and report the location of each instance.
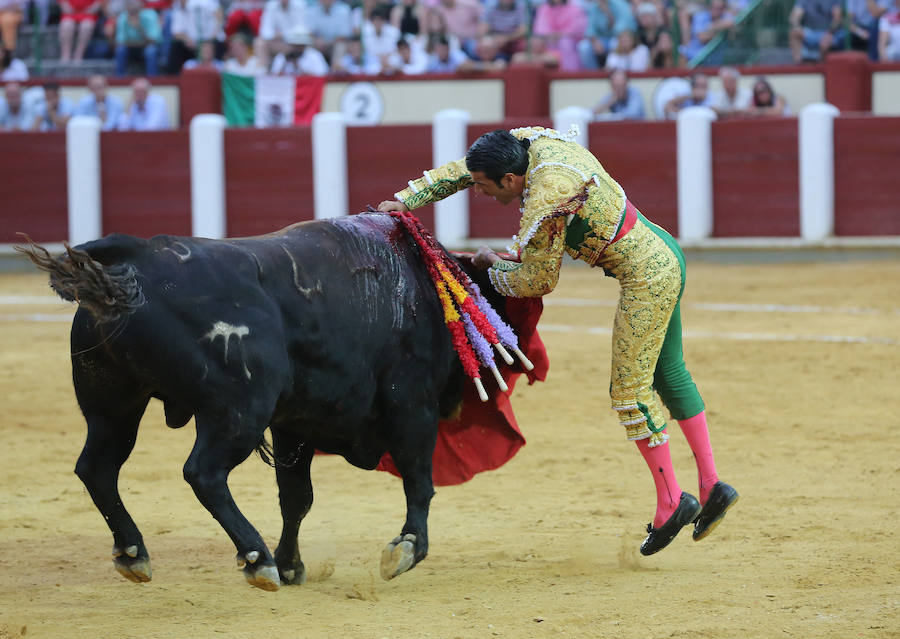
(497, 153)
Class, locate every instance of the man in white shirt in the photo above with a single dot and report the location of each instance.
(15, 113)
(732, 99)
(331, 23)
(301, 58)
(99, 103)
(279, 18)
(193, 22)
(147, 111)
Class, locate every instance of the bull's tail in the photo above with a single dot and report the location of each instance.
(108, 292)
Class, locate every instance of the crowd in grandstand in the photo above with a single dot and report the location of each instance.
(410, 37)
(369, 37)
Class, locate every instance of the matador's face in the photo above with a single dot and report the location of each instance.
(509, 189)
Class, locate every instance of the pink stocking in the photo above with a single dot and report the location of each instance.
(668, 493)
(697, 435)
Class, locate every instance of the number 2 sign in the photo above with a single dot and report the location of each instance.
(362, 103)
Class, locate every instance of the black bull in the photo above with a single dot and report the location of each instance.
(328, 333)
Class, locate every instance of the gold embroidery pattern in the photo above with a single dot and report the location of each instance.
(439, 183)
(650, 278)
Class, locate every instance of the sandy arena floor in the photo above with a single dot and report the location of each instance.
(799, 365)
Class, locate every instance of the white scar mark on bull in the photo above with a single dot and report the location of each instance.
(225, 331)
(305, 292)
(182, 256)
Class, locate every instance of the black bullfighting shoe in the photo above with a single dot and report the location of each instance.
(721, 498)
(659, 538)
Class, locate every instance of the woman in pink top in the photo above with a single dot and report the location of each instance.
(563, 24)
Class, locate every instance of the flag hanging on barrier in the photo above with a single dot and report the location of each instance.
(271, 100)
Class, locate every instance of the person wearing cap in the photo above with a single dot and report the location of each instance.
(301, 58)
(570, 204)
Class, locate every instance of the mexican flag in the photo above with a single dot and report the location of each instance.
(270, 100)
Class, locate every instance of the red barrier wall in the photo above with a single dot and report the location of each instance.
(866, 176)
(641, 157)
(33, 197)
(380, 162)
(145, 182)
(268, 179)
(756, 184)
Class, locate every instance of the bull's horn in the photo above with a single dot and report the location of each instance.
(525, 361)
(504, 354)
(482, 394)
(499, 378)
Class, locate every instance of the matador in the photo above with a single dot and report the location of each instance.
(570, 204)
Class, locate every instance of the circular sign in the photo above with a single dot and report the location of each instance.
(361, 103)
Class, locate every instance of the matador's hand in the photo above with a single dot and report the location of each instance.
(392, 205)
(484, 257)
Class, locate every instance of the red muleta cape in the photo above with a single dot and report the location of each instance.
(485, 435)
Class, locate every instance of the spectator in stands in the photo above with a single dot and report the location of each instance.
(487, 57)
(147, 111)
(406, 60)
(244, 16)
(107, 20)
(816, 28)
(11, 69)
(766, 103)
(15, 114)
(732, 99)
(331, 23)
(507, 23)
(698, 96)
(863, 24)
(301, 57)
(629, 54)
(206, 58)
(379, 37)
(355, 61)
(163, 10)
(443, 59)
(536, 52)
(623, 102)
(889, 35)
(193, 22)
(137, 38)
(54, 111)
(461, 18)
(409, 17)
(98, 102)
(563, 23)
(279, 17)
(606, 19)
(11, 12)
(77, 16)
(240, 60)
(653, 34)
(702, 25)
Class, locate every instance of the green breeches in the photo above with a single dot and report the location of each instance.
(647, 356)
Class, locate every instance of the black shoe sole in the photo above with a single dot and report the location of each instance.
(701, 532)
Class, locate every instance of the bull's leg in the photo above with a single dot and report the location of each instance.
(413, 460)
(295, 494)
(110, 440)
(216, 452)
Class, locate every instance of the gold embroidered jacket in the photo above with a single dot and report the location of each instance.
(569, 204)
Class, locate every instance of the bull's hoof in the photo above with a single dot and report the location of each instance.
(132, 563)
(262, 576)
(295, 576)
(398, 556)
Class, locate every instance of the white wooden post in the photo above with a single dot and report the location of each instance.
(449, 132)
(83, 178)
(694, 155)
(816, 140)
(574, 115)
(207, 144)
(329, 142)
